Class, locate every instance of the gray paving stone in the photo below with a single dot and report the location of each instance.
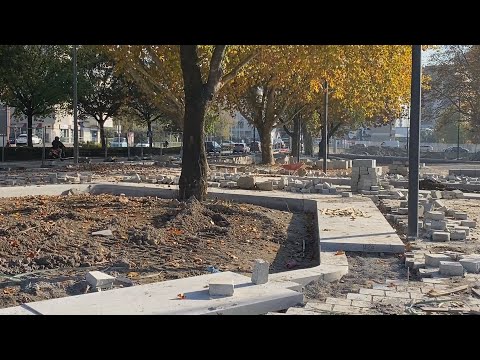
(338, 301)
(372, 292)
(361, 297)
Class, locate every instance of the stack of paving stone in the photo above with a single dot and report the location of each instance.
(439, 223)
(365, 174)
(447, 263)
(398, 167)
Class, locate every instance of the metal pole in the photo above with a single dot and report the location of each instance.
(414, 146)
(325, 125)
(75, 118)
(43, 146)
(458, 130)
(106, 151)
(5, 137)
(128, 146)
(299, 137)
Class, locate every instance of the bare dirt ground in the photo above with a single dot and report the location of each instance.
(46, 246)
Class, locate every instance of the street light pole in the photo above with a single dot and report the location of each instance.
(414, 142)
(75, 118)
(458, 130)
(324, 132)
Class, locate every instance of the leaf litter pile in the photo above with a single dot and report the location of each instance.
(47, 246)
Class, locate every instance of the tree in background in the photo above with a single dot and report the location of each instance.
(218, 123)
(35, 80)
(365, 82)
(101, 92)
(455, 83)
(141, 109)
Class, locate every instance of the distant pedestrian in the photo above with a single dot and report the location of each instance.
(165, 144)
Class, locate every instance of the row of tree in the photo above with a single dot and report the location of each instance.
(37, 81)
(189, 85)
(452, 99)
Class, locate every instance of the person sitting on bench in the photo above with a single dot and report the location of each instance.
(58, 149)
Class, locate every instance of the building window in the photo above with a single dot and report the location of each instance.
(241, 123)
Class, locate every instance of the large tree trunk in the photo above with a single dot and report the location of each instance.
(193, 179)
(150, 138)
(307, 141)
(29, 130)
(266, 145)
(101, 124)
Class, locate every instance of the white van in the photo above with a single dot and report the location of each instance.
(391, 144)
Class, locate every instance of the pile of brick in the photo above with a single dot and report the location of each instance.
(365, 175)
(447, 263)
(398, 167)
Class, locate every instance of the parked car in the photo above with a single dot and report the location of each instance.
(227, 146)
(426, 148)
(453, 149)
(241, 148)
(119, 142)
(142, 144)
(255, 146)
(390, 144)
(22, 140)
(212, 147)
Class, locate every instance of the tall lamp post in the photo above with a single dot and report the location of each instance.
(458, 129)
(75, 117)
(324, 132)
(414, 142)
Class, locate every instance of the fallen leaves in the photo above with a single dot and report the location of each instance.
(9, 291)
(174, 231)
(339, 252)
(352, 212)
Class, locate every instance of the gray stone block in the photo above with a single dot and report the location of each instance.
(463, 228)
(369, 163)
(246, 182)
(260, 272)
(441, 236)
(458, 235)
(221, 287)
(451, 268)
(471, 265)
(98, 279)
(460, 215)
(434, 215)
(469, 223)
(265, 186)
(434, 259)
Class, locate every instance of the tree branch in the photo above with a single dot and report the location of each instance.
(215, 73)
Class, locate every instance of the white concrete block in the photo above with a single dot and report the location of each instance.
(460, 215)
(469, 223)
(441, 236)
(98, 279)
(434, 259)
(221, 287)
(472, 265)
(346, 194)
(434, 215)
(451, 268)
(260, 272)
(102, 233)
